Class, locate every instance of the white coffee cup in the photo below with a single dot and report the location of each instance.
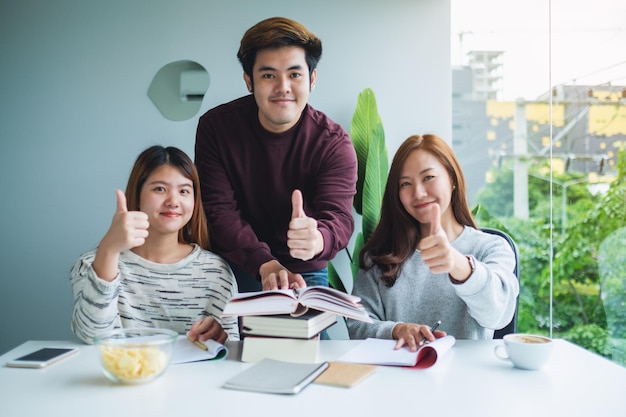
(526, 351)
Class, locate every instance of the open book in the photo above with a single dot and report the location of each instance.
(186, 351)
(296, 302)
(382, 352)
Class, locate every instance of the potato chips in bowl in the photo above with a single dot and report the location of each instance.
(135, 356)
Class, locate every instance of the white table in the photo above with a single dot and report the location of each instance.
(468, 381)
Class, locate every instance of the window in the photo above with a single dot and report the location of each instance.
(539, 125)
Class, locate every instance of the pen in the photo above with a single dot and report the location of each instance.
(424, 340)
(198, 343)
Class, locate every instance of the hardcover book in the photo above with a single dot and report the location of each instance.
(296, 302)
(285, 325)
(287, 349)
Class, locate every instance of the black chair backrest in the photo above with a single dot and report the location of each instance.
(512, 326)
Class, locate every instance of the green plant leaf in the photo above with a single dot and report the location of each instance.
(354, 264)
(375, 179)
(485, 219)
(364, 122)
(333, 278)
(368, 138)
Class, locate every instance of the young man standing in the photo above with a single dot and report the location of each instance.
(278, 177)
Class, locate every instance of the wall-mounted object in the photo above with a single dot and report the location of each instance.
(193, 85)
(178, 89)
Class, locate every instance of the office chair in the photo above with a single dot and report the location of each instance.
(512, 326)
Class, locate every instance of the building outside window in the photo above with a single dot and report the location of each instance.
(539, 125)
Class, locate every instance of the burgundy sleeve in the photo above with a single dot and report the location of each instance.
(231, 236)
(336, 187)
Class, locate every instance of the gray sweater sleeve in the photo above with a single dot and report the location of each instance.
(490, 294)
(367, 286)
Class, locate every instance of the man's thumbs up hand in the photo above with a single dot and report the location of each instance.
(297, 210)
(304, 240)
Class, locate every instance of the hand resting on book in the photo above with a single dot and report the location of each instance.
(206, 329)
(187, 351)
(411, 335)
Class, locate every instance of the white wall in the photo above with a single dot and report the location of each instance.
(75, 113)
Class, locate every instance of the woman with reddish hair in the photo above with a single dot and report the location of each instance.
(427, 261)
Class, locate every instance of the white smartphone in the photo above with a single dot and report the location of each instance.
(42, 357)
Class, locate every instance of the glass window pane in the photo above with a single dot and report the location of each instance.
(539, 123)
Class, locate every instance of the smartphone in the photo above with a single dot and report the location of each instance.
(42, 357)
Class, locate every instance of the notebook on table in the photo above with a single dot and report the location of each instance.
(276, 377)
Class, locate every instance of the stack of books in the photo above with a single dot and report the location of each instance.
(283, 336)
(306, 326)
(285, 325)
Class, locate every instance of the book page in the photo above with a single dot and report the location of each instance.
(381, 352)
(186, 351)
(263, 294)
(261, 302)
(327, 293)
(296, 302)
(338, 302)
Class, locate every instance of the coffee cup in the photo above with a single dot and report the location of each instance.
(526, 351)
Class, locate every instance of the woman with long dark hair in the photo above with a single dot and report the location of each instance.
(427, 261)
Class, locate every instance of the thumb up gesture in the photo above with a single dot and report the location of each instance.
(435, 222)
(128, 229)
(435, 247)
(304, 240)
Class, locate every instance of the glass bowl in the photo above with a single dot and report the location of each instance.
(135, 356)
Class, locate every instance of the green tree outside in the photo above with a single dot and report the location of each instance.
(578, 313)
